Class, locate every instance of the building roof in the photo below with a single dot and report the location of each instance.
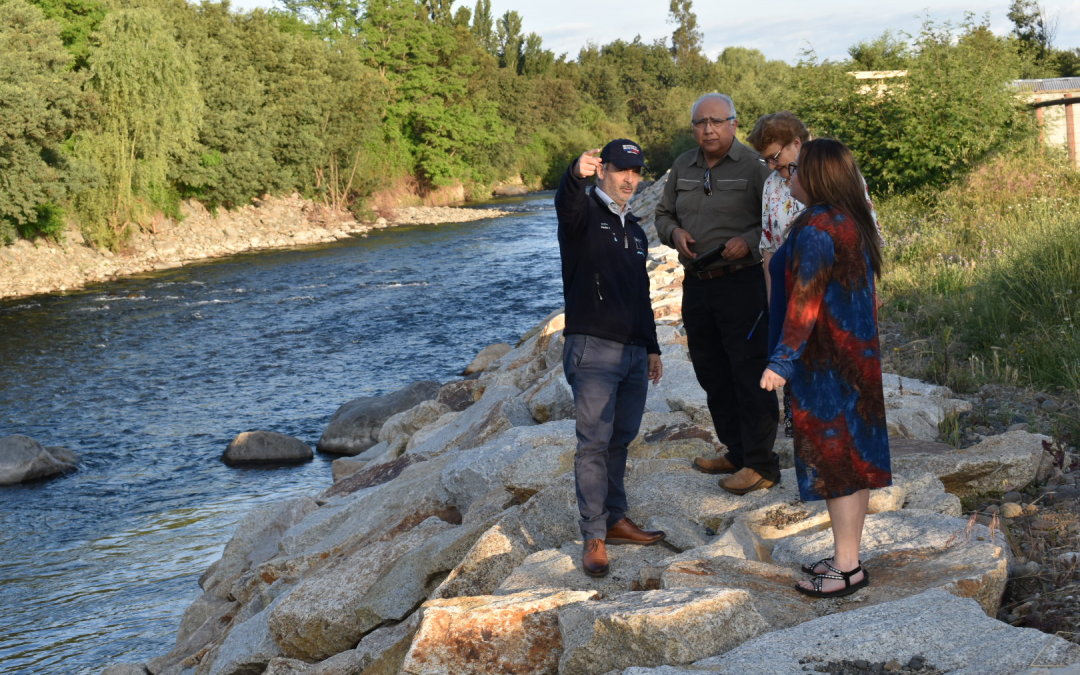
(1054, 84)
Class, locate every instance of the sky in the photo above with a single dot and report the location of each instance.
(780, 29)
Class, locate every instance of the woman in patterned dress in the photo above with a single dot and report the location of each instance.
(828, 350)
(778, 138)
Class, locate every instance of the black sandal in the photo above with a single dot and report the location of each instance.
(848, 588)
(810, 567)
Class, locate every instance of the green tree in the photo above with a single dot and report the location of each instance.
(889, 51)
(686, 43)
(952, 108)
(151, 105)
(438, 111)
(483, 27)
(757, 85)
(40, 98)
(535, 60)
(77, 19)
(511, 42)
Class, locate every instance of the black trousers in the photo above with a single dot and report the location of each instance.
(727, 332)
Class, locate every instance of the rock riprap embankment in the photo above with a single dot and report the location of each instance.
(451, 546)
(43, 266)
(24, 459)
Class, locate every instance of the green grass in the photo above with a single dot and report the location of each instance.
(989, 268)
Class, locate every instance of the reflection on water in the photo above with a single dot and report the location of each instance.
(149, 378)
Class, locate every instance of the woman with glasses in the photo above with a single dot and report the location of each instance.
(828, 351)
(778, 139)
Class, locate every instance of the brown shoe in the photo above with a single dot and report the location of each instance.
(594, 560)
(627, 532)
(745, 480)
(719, 465)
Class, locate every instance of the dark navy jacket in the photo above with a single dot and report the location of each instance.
(605, 283)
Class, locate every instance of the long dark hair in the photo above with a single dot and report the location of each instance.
(829, 176)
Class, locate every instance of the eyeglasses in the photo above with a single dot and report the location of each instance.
(791, 168)
(702, 122)
(771, 162)
(708, 183)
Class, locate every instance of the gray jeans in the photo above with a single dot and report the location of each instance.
(610, 382)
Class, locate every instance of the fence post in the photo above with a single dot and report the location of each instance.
(1070, 132)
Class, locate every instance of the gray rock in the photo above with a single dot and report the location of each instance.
(491, 634)
(497, 411)
(23, 459)
(355, 426)
(461, 394)
(254, 541)
(561, 569)
(1012, 496)
(925, 491)
(524, 459)
(381, 652)
(652, 628)
(258, 447)
(414, 575)
(126, 669)
(1011, 510)
(486, 357)
(316, 619)
(1005, 462)
(910, 551)
(247, 648)
(282, 666)
(1049, 406)
(682, 534)
(953, 633)
(407, 422)
(204, 622)
(551, 397)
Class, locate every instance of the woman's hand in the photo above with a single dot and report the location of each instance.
(770, 381)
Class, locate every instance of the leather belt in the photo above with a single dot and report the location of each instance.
(705, 275)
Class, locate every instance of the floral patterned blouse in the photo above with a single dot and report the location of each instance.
(779, 210)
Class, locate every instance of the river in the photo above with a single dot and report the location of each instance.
(148, 378)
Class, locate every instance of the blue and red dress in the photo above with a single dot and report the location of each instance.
(828, 350)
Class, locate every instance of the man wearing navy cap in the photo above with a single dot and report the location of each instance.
(611, 351)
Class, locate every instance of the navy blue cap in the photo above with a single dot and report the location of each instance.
(623, 153)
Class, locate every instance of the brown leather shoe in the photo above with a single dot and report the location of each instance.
(745, 480)
(719, 465)
(627, 532)
(594, 560)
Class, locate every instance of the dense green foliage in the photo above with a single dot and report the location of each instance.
(988, 270)
(40, 99)
(358, 103)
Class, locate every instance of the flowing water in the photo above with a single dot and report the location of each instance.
(149, 378)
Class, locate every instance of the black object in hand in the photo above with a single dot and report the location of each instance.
(707, 258)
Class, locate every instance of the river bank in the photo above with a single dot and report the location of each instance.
(451, 545)
(43, 266)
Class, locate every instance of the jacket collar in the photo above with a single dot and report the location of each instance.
(629, 215)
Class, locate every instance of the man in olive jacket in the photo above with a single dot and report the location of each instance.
(611, 350)
(712, 198)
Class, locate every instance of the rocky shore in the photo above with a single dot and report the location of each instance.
(43, 266)
(447, 543)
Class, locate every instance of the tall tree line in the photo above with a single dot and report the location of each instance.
(117, 110)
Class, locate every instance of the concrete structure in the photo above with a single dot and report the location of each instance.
(1055, 101)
